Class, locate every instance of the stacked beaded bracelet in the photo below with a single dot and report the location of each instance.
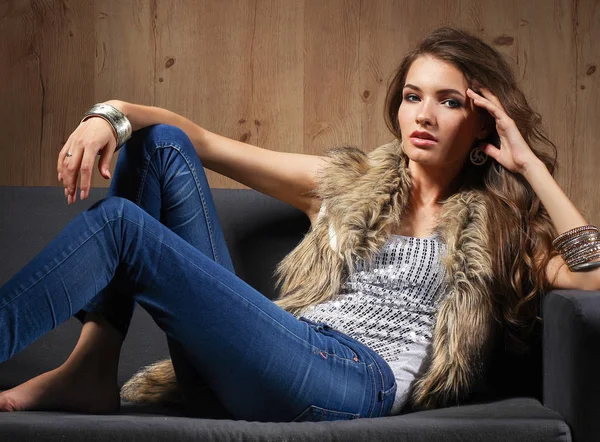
(118, 121)
(579, 247)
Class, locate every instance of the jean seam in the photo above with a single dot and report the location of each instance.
(179, 150)
(382, 384)
(60, 263)
(374, 385)
(138, 198)
(387, 392)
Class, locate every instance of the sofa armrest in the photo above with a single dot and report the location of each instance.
(571, 360)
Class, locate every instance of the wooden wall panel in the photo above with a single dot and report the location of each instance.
(331, 89)
(584, 87)
(204, 57)
(543, 40)
(124, 58)
(234, 67)
(277, 117)
(289, 75)
(21, 96)
(48, 75)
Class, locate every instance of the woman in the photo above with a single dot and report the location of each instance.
(419, 253)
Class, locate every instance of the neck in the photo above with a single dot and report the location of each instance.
(430, 185)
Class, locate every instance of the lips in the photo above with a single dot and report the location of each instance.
(423, 135)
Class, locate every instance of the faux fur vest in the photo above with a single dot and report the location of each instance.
(365, 196)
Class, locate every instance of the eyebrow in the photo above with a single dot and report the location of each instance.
(441, 91)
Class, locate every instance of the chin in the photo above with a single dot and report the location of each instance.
(429, 160)
(425, 156)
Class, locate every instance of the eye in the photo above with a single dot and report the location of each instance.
(453, 103)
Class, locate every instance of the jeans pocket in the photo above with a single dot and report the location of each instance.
(391, 392)
(317, 414)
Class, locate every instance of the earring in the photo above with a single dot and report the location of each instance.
(477, 155)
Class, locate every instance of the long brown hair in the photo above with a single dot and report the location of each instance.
(521, 231)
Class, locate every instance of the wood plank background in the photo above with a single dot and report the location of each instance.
(288, 75)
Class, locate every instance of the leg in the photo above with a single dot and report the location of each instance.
(159, 170)
(262, 362)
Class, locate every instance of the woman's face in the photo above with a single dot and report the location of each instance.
(429, 105)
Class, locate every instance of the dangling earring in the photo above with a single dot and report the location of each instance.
(477, 155)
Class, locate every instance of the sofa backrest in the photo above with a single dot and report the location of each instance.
(259, 231)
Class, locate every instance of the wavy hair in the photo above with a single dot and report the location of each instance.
(521, 231)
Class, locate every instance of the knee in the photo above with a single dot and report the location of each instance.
(159, 136)
(115, 207)
(166, 132)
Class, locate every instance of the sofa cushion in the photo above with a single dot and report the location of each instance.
(517, 419)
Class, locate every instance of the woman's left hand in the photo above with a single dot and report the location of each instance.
(514, 152)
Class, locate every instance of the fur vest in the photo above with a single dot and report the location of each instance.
(363, 197)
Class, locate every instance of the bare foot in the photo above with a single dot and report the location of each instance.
(86, 382)
(66, 389)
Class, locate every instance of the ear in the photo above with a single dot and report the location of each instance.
(483, 133)
(485, 127)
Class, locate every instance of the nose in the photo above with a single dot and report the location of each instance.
(425, 114)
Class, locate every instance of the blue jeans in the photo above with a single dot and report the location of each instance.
(156, 241)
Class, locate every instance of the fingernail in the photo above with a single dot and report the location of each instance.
(82, 195)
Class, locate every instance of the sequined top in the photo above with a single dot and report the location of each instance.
(389, 304)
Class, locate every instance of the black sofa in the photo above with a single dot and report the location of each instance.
(549, 394)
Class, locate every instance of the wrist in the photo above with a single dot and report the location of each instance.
(533, 167)
(117, 119)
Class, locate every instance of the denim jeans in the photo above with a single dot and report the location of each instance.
(156, 241)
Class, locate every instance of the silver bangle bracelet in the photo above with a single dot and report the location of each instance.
(586, 266)
(116, 118)
(587, 256)
(579, 249)
(578, 240)
(565, 236)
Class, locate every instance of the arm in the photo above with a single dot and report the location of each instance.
(516, 156)
(284, 176)
(564, 216)
(571, 318)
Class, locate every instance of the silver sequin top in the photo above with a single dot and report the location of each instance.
(390, 304)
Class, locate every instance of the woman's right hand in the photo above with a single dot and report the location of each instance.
(93, 137)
